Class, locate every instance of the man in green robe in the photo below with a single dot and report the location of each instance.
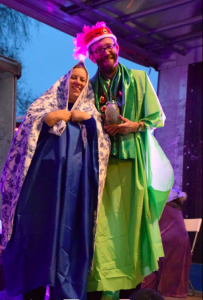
(139, 176)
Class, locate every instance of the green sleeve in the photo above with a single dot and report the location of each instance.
(153, 115)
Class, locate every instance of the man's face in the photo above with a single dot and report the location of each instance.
(106, 59)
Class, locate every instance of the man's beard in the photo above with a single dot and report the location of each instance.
(110, 68)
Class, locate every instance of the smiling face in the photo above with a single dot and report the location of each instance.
(106, 60)
(77, 83)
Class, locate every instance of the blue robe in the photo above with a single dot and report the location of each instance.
(52, 241)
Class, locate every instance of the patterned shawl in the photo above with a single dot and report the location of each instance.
(25, 142)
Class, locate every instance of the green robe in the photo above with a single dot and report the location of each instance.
(139, 179)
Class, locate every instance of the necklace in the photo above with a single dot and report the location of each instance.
(107, 95)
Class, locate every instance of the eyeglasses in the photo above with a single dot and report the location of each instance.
(101, 50)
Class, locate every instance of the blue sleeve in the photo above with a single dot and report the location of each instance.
(44, 132)
(91, 129)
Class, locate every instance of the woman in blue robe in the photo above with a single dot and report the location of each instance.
(52, 242)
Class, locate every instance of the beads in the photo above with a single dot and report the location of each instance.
(103, 108)
(102, 99)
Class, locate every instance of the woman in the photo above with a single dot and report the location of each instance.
(52, 183)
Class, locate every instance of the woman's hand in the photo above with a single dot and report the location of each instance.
(79, 116)
(55, 116)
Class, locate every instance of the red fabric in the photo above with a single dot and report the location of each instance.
(96, 32)
(173, 276)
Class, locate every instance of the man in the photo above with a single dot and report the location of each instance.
(128, 242)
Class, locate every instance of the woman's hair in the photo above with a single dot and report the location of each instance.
(146, 295)
(80, 65)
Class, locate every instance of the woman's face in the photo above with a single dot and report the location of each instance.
(77, 83)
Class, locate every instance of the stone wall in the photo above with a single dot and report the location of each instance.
(7, 114)
(172, 91)
(10, 70)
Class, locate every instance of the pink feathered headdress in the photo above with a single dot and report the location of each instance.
(89, 36)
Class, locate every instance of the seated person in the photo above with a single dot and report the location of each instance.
(173, 275)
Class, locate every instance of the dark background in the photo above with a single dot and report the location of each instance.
(192, 166)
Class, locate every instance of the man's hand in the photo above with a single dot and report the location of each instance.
(79, 116)
(111, 129)
(127, 126)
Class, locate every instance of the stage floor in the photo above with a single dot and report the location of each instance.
(196, 297)
(3, 296)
